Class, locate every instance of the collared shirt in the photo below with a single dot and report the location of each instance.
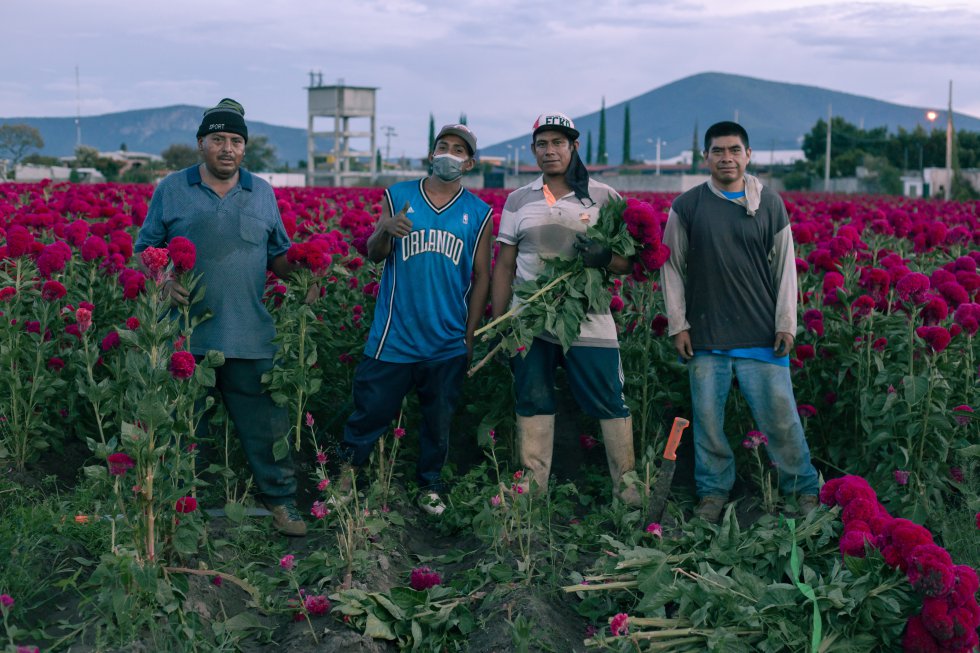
(236, 237)
(541, 229)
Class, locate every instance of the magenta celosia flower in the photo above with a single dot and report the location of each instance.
(912, 287)
(423, 578)
(83, 317)
(619, 624)
(934, 310)
(182, 253)
(399, 433)
(323, 484)
(94, 249)
(655, 529)
(587, 442)
(806, 410)
(53, 258)
(753, 439)
(6, 601)
(930, 570)
(852, 543)
(155, 259)
(132, 323)
(316, 604)
(185, 504)
(962, 420)
(319, 510)
(55, 364)
(7, 293)
(120, 463)
(110, 341)
(901, 476)
(321, 457)
(309, 420)
(495, 500)
(860, 509)
(917, 639)
(936, 337)
(182, 365)
(52, 290)
(287, 562)
(616, 304)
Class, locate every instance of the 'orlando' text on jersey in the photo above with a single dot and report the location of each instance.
(422, 296)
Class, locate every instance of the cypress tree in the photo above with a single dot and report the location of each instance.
(588, 148)
(695, 151)
(462, 118)
(627, 158)
(432, 132)
(601, 156)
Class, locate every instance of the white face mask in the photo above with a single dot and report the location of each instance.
(447, 167)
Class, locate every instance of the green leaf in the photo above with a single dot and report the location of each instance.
(235, 512)
(378, 629)
(281, 448)
(243, 622)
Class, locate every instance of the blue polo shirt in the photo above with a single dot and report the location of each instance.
(236, 237)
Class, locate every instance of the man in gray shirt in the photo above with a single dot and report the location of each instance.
(730, 289)
(233, 220)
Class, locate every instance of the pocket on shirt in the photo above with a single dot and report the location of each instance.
(253, 229)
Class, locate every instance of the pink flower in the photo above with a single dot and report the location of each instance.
(901, 477)
(287, 562)
(806, 410)
(185, 504)
(930, 570)
(155, 259)
(316, 605)
(587, 442)
(111, 341)
(754, 439)
(619, 624)
(399, 433)
(655, 529)
(616, 304)
(519, 474)
(6, 601)
(182, 364)
(132, 323)
(120, 463)
(56, 364)
(495, 501)
(83, 317)
(309, 420)
(936, 337)
(183, 253)
(423, 578)
(216, 581)
(323, 484)
(319, 510)
(962, 420)
(321, 457)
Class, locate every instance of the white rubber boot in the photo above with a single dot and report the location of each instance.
(536, 436)
(617, 435)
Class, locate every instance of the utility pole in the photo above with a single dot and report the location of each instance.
(389, 131)
(949, 144)
(826, 163)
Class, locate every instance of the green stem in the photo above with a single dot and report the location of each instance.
(520, 305)
(299, 391)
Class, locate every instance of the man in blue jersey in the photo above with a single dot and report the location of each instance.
(433, 292)
(545, 219)
(730, 289)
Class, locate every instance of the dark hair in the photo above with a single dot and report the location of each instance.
(725, 128)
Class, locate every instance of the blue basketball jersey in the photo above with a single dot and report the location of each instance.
(425, 284)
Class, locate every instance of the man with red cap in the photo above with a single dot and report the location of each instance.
(544, 219)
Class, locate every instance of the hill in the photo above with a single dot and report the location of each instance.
(152, 130)
(776, 115)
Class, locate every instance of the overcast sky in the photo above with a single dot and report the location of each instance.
(501, 62)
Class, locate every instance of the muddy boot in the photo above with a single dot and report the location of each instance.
(618, 437)
(536, 437)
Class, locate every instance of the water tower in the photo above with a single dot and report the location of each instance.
(342, 103)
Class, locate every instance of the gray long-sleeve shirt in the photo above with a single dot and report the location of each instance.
(731, 276)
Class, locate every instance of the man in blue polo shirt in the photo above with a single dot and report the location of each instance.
(730, 290)
(233, 220)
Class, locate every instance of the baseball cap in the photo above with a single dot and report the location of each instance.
(462, 131)
(556, 121)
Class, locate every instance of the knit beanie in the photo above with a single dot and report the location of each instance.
(227, 116)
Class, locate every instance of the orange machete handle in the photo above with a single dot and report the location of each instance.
(674, 439)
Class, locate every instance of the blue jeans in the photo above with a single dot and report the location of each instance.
(768, 391)
(379, 388)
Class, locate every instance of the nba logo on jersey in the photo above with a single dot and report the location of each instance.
(466, 218)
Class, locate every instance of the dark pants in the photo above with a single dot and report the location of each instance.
(259, 423)
(595, 377)
(379, 389)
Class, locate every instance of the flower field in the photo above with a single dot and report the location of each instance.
(122, 530)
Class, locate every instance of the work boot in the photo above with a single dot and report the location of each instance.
(617, 434)
(710, 508)
(807, 503)
(536, 438)
(286, 519)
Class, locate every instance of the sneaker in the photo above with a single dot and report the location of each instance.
(432, 503)
(287, 520)
(807, 503)
(710, 508)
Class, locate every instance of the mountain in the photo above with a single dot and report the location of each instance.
(152, 131)
(775, 114)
